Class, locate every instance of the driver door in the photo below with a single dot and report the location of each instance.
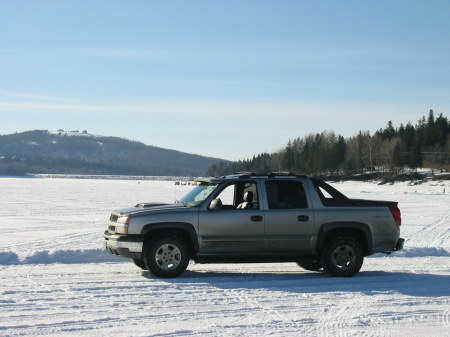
(229, 229)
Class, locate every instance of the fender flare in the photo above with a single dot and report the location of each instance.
(184, 226)
(344, 225)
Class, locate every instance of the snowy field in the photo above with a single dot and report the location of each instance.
(55, 278)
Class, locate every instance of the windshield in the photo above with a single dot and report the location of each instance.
(200, 192)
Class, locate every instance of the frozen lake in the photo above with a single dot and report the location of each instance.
(55, 279)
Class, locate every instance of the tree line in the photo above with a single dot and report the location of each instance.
(392, 149)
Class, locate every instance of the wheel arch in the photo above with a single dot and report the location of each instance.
(332, 230)
(184, 230)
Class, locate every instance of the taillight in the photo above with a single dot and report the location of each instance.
(396, 214)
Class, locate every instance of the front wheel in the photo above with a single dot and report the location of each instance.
(343, 257)
(166, 256)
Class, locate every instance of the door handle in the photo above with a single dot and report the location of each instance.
(256, 218)
(303, 218)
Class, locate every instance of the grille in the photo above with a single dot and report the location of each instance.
(113, 218)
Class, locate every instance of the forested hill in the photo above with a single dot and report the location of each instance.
(427, 144)
(81, 153)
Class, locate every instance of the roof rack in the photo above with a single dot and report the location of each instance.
(246, 174)
(281, 173)
(270, 175)
(285, 174)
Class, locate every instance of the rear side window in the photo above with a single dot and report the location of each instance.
(329, 196)
(285, 195)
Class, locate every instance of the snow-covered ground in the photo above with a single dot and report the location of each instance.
(55, 278)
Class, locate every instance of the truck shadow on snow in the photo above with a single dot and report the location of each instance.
(366, 282)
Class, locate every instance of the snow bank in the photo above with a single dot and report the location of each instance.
(422, 252)
(60, 256)
(100, 255)
(8, 258)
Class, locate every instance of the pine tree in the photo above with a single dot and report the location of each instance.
(430, 130)
(398, 159)
(416, 159)
(389, 131)
(288, 159)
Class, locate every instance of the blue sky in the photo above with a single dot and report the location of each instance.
(221, 78)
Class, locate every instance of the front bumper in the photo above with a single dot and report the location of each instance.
(129, 246)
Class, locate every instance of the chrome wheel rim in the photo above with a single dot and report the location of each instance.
(344, 257)
(168, 257)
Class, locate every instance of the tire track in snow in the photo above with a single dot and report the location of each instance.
(436, 235)
(446, 319)
(347, 316)
(254, 305)
(272, 318)
(331, 323)
(34, 284)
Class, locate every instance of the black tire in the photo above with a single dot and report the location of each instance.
(166, 256)
(342, 257)
(140, 263)
(312, 265)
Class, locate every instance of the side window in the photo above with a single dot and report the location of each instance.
(240, 195)
(329, 196)
(286, 195)
(324, 193)
(227, 196)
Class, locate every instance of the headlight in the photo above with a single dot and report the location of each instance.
(123, 222)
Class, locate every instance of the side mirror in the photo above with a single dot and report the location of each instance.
(215, 205)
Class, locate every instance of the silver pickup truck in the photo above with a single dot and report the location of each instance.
(256, 218)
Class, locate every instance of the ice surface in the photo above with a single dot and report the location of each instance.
(55, 279)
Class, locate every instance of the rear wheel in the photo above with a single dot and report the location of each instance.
(343, 257)
(312, 265)
(166, 256)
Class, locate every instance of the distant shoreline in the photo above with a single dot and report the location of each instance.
(100, 177)
(380, 177)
